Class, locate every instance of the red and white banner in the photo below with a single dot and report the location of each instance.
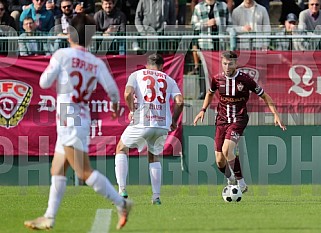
(27, 112)
(292, 79)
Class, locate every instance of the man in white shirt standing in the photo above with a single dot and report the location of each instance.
(250, 17)
(151, 119)
(76, 73)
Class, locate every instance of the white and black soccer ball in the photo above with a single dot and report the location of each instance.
(232, 193)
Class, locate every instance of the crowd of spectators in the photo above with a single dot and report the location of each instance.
(151, 17)
(144, 14)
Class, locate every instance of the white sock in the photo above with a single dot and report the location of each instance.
(241, 182)
(121, 171)
(102, 185)
(155, 171)
(57, 190)
(232, 177)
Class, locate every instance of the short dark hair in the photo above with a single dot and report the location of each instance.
(229, 55)
(155, 60)
(28, 18)
(82, 28)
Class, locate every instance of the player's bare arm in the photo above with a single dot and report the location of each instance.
(269, 102)
(178, 108)
(129, 98)
(208, 99)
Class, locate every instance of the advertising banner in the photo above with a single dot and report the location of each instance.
(291, 78)
(27, 112)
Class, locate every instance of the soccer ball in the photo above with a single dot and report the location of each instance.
(232, 193)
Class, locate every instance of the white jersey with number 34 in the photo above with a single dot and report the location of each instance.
(77, 73)
(153, 91)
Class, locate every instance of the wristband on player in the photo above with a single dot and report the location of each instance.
(203, 109)
(131, 113)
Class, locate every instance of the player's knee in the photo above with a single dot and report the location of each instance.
(121, 148)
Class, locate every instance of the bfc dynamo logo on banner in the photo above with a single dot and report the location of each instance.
(15, 97)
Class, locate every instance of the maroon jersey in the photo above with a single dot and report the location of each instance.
(234, 92)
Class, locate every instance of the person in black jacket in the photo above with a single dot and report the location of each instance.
(6, 21)
(62, 23)
(15, 7)
(110, 19)
(7, 27)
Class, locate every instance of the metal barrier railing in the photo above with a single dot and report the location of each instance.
(169, 42)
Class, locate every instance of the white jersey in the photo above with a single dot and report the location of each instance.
(153, 91)
(77, 72)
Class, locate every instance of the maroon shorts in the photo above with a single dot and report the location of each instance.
(228, 131)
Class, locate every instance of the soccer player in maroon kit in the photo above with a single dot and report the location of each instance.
(234, 89)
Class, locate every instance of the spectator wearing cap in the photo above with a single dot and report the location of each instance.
(291, 21)
(288, 6)
(290, 28)
(310, 18)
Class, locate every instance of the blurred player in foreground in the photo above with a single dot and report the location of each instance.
(151, 119)
(77, 72)
(233, 88)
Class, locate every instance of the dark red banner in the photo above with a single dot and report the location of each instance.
(27, 112)
(292, 79)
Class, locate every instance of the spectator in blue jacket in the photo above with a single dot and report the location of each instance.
(43, 18)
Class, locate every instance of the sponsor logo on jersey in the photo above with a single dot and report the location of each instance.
(15, 97)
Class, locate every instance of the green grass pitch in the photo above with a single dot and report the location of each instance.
(185, 209)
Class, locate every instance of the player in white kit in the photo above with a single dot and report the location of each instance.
(76, 73)
(151, 119)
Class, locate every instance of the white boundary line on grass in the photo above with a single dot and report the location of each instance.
(102, 221)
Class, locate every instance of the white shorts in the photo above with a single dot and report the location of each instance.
(139, 137)
(75, 136)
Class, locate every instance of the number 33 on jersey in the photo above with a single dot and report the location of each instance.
(153, 90)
